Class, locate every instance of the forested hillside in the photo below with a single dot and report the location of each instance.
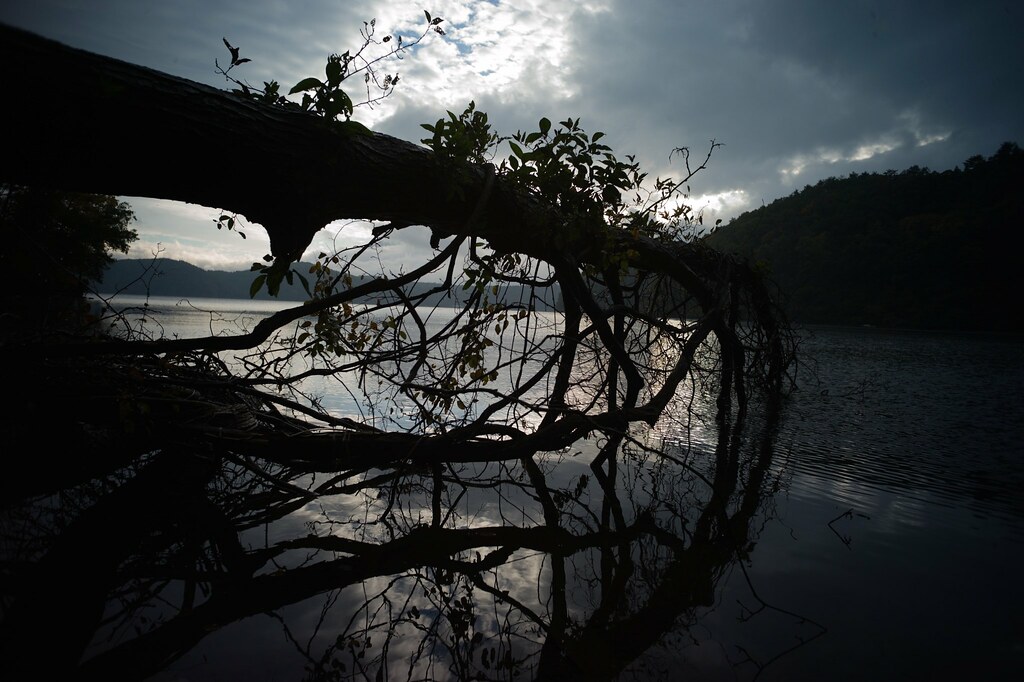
(912, 249)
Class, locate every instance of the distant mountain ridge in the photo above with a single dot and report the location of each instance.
(914, 249)
(168, 277)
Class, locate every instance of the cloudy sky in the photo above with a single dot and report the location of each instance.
(795, 90)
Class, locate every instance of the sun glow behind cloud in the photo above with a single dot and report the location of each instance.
(509, 51)
(720, 203)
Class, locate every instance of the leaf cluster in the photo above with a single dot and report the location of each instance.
(578, 174)
(272, 275)
(571, 170)
(466, 137)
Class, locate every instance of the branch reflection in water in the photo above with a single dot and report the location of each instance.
(571, 565)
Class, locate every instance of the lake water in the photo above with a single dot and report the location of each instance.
(876, 532)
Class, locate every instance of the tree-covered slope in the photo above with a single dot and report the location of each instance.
(914, 249)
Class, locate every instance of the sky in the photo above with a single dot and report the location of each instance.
(795, 91)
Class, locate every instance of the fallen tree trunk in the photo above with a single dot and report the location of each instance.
(128, 130)
(116, 128)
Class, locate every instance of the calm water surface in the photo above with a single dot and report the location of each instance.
(890, 547)
(918, 436)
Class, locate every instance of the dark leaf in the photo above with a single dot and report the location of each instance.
(256, 285)
(274, 282)
(233, 50)
(339, 103)
(305, 84)
(427, 14)
(334, 72)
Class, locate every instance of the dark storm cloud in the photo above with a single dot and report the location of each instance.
(955, 63)
(823, 84)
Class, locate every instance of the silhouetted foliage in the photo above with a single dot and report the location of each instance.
(54, 244)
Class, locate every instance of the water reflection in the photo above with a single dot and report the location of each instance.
(260, 559)
(572, 565)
